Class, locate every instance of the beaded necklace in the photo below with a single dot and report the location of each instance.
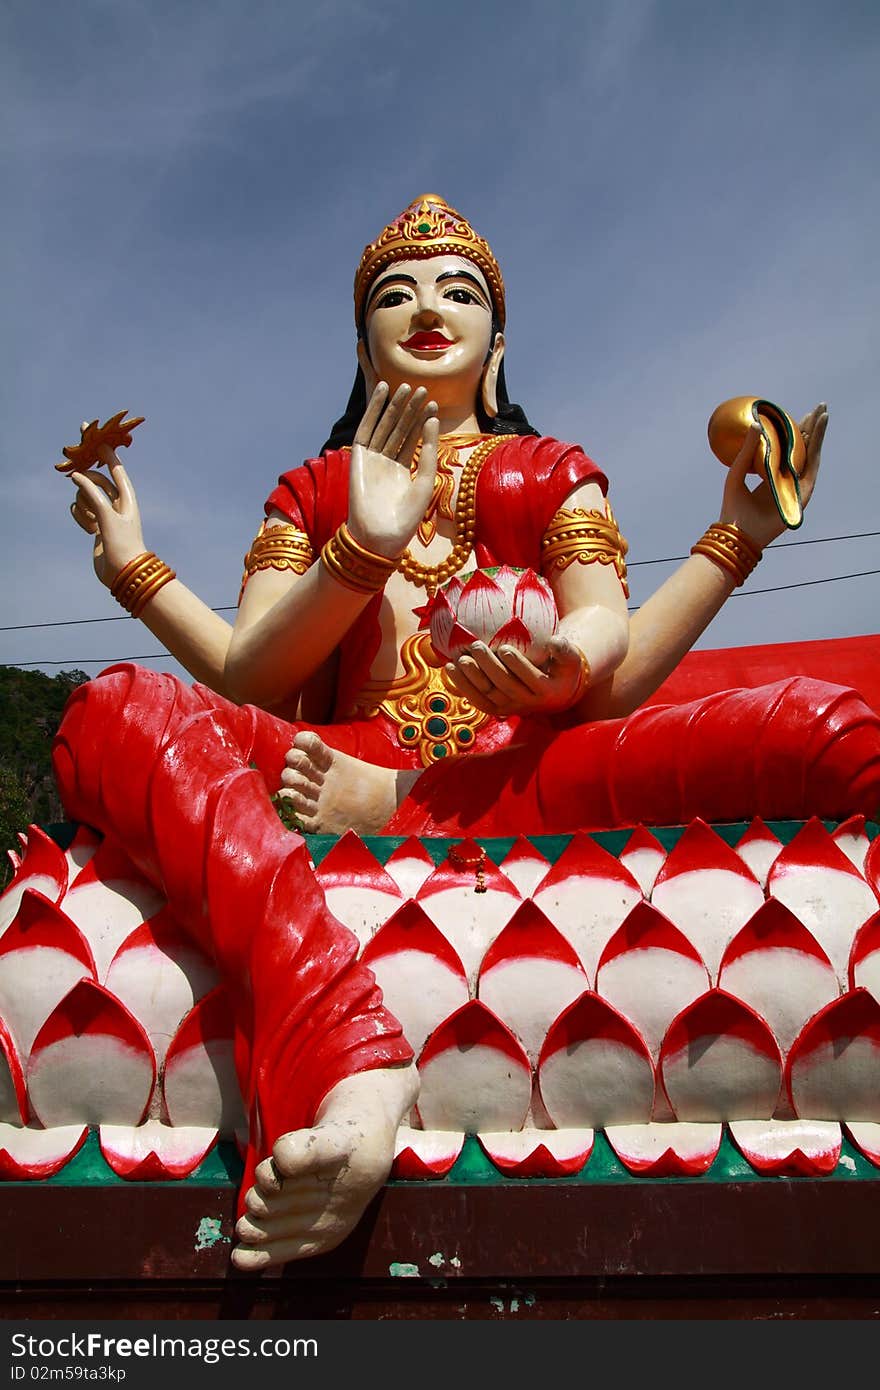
(430, 577)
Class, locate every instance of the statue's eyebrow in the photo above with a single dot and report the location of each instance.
(460, 275)
(387, 280)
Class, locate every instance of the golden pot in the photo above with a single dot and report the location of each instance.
(781, 454)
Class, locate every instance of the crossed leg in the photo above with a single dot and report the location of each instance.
(332, 792)
(314, 1189)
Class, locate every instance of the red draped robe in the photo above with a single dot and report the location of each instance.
(180, 779)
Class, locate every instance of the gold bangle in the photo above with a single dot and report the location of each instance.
(139, 581)
(355, 568)
(731, 548)
(585, 536)
(283, 547)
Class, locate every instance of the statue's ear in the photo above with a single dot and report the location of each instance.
(366, 367)
(489, 386)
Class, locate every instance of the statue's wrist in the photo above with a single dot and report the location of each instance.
(139, 581)
(355, 567)
(730, 548)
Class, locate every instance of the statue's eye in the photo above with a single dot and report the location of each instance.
(391, 299)
(460, 295)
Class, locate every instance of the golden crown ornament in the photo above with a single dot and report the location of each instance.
(428, 227)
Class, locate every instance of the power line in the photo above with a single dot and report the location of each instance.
(780, 545)
(631, 564)
(633, 608)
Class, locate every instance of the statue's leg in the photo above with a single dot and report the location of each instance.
(167, 772)
(790, 750)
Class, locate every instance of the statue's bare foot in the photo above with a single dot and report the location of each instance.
(332, 792)
(314, 1189)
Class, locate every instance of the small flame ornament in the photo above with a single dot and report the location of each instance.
(501, 607)
(116, 432)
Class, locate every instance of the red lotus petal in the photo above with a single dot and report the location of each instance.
(666, 1150)
(42, 955)
(595, 1068)
(483, 606)
(425, 1153)
(833, 1070)
(865, 1135)
(758, 847)
(199, 1085)
(153, 1152)
(43, 869)
(30, 1154)
(851, 837)
(91, 1062)
(420, 975)
(13, 1097)
(864, 959)
(707, 891)
(474, 1074)
(821, 886)
(440, 620)
(470, 920)
(539, 1153)
(719, 1061)
(409, 865)
(779, 969)
(788, 1148)
(158, 973)
(644, 856)
(587, 894)
(529, 975)
(358, 890)
(649, 971)
(514, 633)
(535, 605)
(524, 865)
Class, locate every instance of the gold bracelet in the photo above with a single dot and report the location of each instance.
(283, 547)
(729, 547)
(585, 536)
(139, 581)
(357, 569)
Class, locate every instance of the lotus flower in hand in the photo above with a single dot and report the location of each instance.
(503, 608)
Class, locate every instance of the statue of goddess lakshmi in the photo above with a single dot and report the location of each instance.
(329, 690)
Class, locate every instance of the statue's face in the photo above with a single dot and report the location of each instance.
(429, 323)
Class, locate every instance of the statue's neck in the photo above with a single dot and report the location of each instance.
(457, 420)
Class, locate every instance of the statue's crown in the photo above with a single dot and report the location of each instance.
(428, 227)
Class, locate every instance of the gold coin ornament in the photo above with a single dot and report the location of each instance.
(781, 454)
(116, 432)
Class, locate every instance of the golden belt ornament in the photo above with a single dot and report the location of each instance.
(431, 717)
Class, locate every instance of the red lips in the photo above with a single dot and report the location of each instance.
(427, 342)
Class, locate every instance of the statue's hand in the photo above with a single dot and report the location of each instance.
(388, 496)
(107, 509)
(754, 509)
(504, 682)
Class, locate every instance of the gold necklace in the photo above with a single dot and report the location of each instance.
(430, 577)
(444, 482)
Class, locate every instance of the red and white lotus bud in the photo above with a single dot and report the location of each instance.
(506, 607)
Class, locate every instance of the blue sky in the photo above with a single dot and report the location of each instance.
(683, 198)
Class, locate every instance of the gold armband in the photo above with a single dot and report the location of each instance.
(139, 581)
(730, 548)
(585, 536)
(283, 547)
(357, 569)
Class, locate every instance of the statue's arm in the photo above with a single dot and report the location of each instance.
(107, 510)
(668, 624)
(288, 624)
(589, 644)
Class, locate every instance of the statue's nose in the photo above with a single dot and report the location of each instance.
(427, 316)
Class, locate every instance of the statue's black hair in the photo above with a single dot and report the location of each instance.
(511, 418)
